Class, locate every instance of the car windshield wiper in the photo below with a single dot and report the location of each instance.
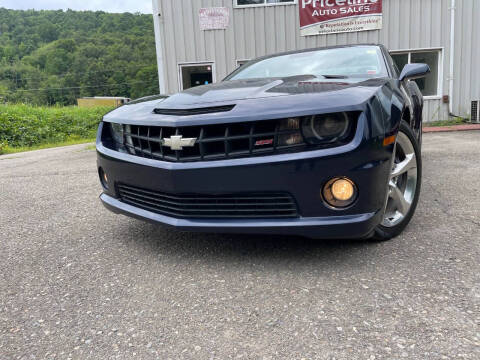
(335, 76)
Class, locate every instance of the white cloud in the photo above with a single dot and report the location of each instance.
(115, 6)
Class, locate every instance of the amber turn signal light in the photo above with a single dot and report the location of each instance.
(389, 140)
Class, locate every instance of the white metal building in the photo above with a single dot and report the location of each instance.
(443, 33)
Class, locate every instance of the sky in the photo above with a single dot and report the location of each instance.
(116, 6)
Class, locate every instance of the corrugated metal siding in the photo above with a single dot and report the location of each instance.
(467, 50)
(257, 31)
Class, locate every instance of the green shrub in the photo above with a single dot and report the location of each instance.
(3, 146)
(27, 126)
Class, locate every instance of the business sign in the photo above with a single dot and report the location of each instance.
(321, 17)
(215, 18)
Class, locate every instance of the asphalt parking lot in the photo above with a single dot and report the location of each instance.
(79, 282)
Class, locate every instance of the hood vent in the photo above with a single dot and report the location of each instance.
(196, 111)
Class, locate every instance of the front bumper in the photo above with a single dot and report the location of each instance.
(302, 175)
(331, 227)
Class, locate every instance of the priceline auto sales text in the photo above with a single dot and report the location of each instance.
(340, 6)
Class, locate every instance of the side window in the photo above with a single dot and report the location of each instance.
(400, 61)
(429, 86)
(241, 62)
(396, 70)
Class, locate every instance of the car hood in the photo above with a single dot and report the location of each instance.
(235, 90)
(258, 98)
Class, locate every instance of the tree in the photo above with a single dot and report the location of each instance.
(56, 56)
(48, 32)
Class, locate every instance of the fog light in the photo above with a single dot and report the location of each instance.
(103, 178)
(340, 192)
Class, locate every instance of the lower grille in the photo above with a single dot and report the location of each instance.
(249, 205)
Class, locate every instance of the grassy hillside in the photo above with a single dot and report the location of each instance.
(24, 126)
(54, 57)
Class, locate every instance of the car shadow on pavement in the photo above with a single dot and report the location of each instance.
(161, 240)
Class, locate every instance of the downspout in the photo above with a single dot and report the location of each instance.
(452, 57)
(159, 32)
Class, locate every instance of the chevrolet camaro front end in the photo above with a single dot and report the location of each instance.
(321, 143)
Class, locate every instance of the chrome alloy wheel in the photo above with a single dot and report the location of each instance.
(403, 182)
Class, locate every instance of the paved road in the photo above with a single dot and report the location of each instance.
(79, 282)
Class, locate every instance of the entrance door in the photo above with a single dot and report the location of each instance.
(192, 75)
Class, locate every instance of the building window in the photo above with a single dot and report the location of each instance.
(248, 3)
(241, 62)
(195, 74)
(430, 85)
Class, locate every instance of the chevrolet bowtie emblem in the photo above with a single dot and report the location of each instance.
(177, 142)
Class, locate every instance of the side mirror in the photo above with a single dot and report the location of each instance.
(414, 71)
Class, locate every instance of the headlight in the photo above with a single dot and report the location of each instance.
(117, 132)
(128, 139)
(327, 128)
(289, 132)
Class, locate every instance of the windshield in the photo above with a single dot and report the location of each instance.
(358, 61)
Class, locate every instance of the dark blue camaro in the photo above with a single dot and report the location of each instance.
(323, 143)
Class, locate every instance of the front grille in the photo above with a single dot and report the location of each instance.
(249, 205)
(213, 142)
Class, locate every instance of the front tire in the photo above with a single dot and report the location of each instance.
(404, 185)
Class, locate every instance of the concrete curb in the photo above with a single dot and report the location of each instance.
(467, 127)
